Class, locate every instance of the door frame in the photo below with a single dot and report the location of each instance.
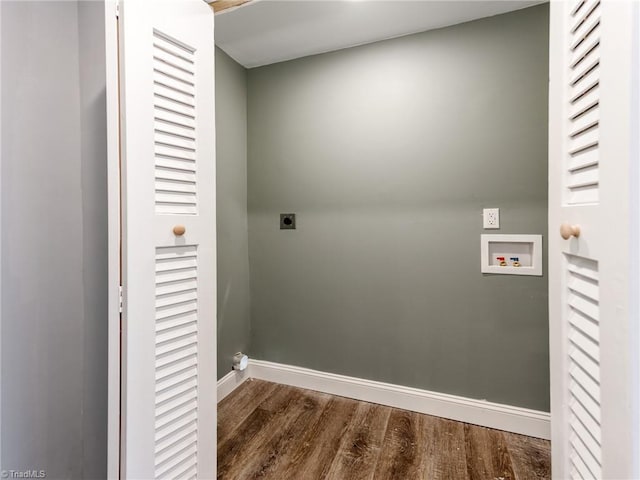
(1, 465)
(634, 240)
(114, 230)
(114, 236)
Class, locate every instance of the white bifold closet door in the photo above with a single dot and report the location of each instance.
(168, 185)
(591, 116)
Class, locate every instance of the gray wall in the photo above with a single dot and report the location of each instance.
(233, 255)
(54, 230)
(388, 153)
(93, 104)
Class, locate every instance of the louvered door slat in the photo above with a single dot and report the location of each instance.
(168, 69)
(171, 139)
(581, 413)
(581, 432)
(178, 435)
(579, 144)
(174, 94)
(584, 316)
(585, 344)
(581, 178)
(587, 374)
(583, 335)
(176, 360)
(586, 84)
(162, 55)
(581, 11)
(174, 276)
(169, 81)
(176, 197)
(174, 355)
(578, 74)
(178, 297)
(583, 114)
(580, 470)
(167, 454)
(179, 392)
(166, 432)
(184, 458)
(583, 375)
(584, 121)
(175, 176)
(587, 49)
(585, 158)
(586, 30)
(179, 286)
(175, 186)
(172, 101)
(589, 404)
(175, 164)
(584, 23)
(587, 99)
(581, 450)
(169, 119)
(175, 136)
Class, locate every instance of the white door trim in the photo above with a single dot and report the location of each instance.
(113, 195)
(0, 241)
(634, 232)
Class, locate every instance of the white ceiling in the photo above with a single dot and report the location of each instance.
(270, 31)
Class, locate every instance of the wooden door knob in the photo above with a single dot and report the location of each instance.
(567, 231)
(179, 230)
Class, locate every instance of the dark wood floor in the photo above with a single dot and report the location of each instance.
(271, 431)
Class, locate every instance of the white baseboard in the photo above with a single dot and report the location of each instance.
(230, 382)
(478, 412)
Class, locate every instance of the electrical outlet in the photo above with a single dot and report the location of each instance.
(491, 217)
(287, 221)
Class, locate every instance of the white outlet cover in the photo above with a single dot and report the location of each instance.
(491, 218)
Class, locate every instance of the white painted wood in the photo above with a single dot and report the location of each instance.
(168, 325)
(478, 412)
(634, 224)
(113, 205)
(591, 148)
(230, 382)
(1, 464)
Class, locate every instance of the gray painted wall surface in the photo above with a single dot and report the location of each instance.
(388, 153)
(93, 107)
(54, 231)
(233, 255)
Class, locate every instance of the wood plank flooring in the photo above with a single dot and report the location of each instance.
(275, 432)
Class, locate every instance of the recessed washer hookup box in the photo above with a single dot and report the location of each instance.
(511, 254)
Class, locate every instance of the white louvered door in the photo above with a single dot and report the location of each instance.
(168, 179)
(590, 150)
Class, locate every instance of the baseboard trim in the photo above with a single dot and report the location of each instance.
(478, 412)
(230, 382)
